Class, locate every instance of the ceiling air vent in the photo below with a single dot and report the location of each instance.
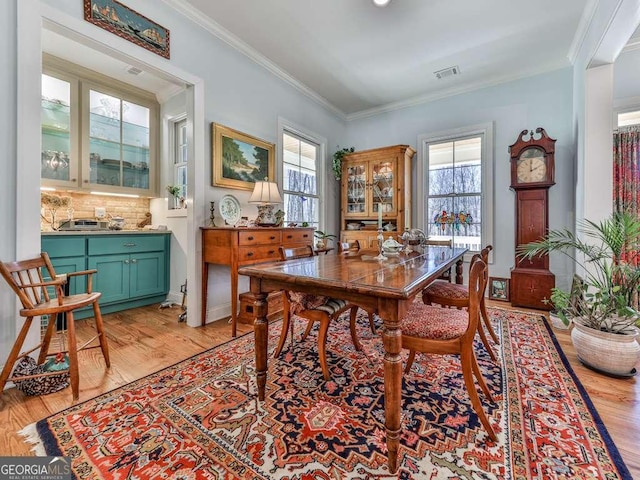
(134, 71)
(447, 72)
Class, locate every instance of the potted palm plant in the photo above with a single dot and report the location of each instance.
(603, 314)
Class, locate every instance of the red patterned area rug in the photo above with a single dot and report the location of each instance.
(201, 419)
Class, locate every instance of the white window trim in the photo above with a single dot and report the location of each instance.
(284, 126)
(170, 166)
(488, 160)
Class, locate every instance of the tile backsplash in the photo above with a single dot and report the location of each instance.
(83, 206)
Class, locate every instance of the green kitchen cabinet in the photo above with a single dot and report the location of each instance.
(67, 255)
(129, 276)
(132, 269)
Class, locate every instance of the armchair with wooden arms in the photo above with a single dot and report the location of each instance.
(314, 308)
(32, 280)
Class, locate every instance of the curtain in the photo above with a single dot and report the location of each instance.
(626, 178)
(626, 170)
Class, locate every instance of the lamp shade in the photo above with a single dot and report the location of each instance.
(265, 193)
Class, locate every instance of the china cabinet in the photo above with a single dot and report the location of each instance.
(376, 189)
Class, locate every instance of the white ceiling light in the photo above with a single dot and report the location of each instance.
(381, 3)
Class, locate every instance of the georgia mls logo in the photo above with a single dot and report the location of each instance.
(34, 468)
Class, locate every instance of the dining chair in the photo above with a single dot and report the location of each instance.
(345, 247)
(314, 308)
(41, 293)
(453, 295)
(354, 247)
(447, 331)
(447, 274)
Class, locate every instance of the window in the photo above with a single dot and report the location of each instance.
(300, 180)
(97, 132)
(628, 118)
(180, 156)
(456, 187)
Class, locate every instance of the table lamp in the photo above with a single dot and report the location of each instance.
(265, 194)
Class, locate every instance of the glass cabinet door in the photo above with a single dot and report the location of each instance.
(118, 142)
(58, 164)
(355, 190)
(383, 188)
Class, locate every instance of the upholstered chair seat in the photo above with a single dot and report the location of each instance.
(426, 321)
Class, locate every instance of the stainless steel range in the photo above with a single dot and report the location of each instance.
(81, 224)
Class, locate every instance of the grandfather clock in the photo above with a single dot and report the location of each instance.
(532, 174)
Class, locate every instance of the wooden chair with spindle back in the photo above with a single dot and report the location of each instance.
(314, 308)
(41, 293)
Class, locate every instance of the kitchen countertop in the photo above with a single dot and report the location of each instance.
(104, 232)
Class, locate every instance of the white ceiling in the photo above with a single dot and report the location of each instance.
(360, 59)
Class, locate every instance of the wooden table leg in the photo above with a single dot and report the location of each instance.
(392, 341)
(261, 336)
(205, 288)
(234, 300)
(459, 277)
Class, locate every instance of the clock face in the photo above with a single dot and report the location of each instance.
(531, 166)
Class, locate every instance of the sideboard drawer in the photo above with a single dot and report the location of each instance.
(259, 238)
(258, 254)
(297, 236)
(108, 244)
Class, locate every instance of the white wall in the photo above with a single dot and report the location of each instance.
(175, 220)
(626, 79)
(540, 101)
(8, 151)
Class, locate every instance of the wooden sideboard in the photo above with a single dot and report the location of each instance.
(244, 246)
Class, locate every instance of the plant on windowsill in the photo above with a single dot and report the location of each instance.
(337, 161)
(322, 238)
(174, 191)
(605, 321)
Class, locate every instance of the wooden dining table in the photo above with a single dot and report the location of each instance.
(386, 286)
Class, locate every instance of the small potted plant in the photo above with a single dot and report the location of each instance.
(558, 316)
(337, 161)
(174, 191)
(322, 238)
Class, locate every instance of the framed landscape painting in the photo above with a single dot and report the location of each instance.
(120, 20)
(240, 160)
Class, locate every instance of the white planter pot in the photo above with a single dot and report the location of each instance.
(611, 353)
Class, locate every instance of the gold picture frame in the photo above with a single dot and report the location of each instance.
(239, 159)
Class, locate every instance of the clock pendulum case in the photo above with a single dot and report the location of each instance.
(532, 174)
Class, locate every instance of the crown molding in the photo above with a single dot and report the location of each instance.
(196, 16)
(168, 92)
(581, 32)
(439, 95)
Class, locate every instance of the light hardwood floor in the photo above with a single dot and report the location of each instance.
(145, 340)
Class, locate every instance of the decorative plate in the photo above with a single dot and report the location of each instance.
(230, 209)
